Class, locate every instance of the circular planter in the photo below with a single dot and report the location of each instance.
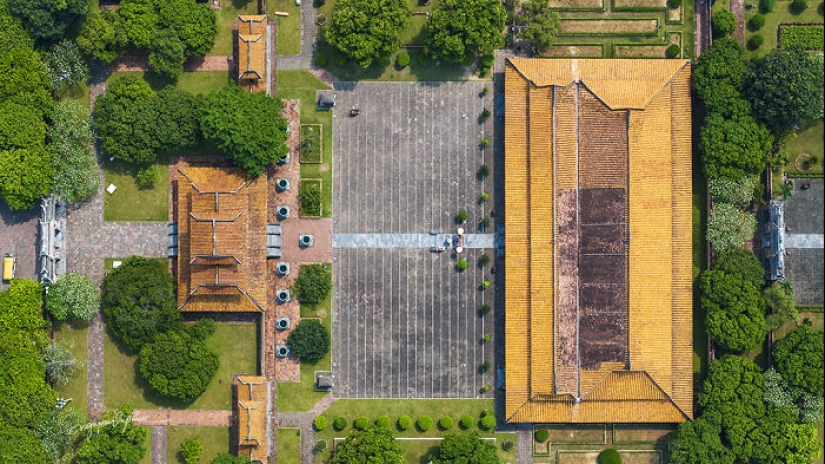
(802, 162)
(321, 19)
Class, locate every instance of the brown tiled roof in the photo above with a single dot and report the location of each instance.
(252, 39)
(575, 130)
(221, 241)
(252, 418)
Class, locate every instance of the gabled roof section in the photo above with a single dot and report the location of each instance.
(620, 84)
(252, 40)
(221, 235)
(252, 409)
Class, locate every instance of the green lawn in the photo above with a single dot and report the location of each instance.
(237, 348)
(131, 203)
(301, 396)
(289, 27)
(421, 451)
(230, 9)
(810, 140)
(781, 14)
(289, 446)
(76, 387)
(194, 82)
(213, 439)
(415, 408)
(302, 85)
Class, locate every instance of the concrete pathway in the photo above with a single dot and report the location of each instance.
(409, 240)
(164, 417)
(794, 240)
(524, 446)
(737, 7)
(308, 28)
(158, 444)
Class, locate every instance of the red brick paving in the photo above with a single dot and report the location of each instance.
(182, 417)
(192, 64)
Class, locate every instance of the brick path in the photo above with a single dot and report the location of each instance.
(737, 7)
(164, 417)
(192, 64)
(158, 444)
(524, 446)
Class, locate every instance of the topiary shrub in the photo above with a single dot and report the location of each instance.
(610, 456)
(340, 423)
(361, 423)
(309, 341)
(484, 260)
(321, 445)
(541, 435)
(756, 22)
(484, 367)
(766, 6)
(487, 422)
(320, 422)
(466, 422)
(445, 423)
(383, 422)
(485, 114)
(488, 60)
(723, 23)
(461, 217)
(321, 60)
(673, 4)
(145, 177)
(755, 41)
(507, 445)
(425, 423)
(313, 284)
(483, 171)
(403, 59)
(484, 310)
(798, 6)
(673, 51)
(191, 450)
(461, 264)
(404, 422)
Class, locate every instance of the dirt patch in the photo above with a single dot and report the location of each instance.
(577, 4)
(641, 433)
(639, 51)
(585, 433)
(608, 26)
(581, 51)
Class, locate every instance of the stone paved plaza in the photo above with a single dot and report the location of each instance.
(804, 266)
(405, 321)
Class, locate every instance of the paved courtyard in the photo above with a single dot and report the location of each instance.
(804, 256)
(405, 322)
(18, 235)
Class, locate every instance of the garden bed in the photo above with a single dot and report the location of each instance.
(808, 36)
(609, 27)
(578, 51)
(577, 5)
(588, 434)
(309, 197)
(312, 140)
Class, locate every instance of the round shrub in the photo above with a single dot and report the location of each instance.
(487, 61)
(488, 422)
(404, 422)
(798, 6)
(309, 341)
(445, 423)
(541, 435)
(340, 423)
(673, 51)
(461, 216)
(383, 422)
(723, 23)
(321, 445)
(361, 423)
(403, 59)
(466, 422)
(766, 6)
(756, 41)
(461, 264)
(424, 423)
(610, 456)
(507, 445)
(320, 423)
(673, 4)
(178, 365)
(757, 22)
(321, 60)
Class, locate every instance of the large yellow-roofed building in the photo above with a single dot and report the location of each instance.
(598, 322)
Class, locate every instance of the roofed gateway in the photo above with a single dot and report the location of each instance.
(221, 237)
(598, 220)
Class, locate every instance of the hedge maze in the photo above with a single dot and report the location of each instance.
(622, 28)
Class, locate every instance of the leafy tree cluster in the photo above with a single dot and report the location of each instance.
(372, 444)
(168, 30)
(729, 227)
(135, 123)
(117, 440)
(58, 433)
(139, 305)
(71, 150)
(309, 340)
(60, 364)
(542, 25)
(781, 306)
(738, 192)
(807, 407)
(368, 30)
(314, 283)
(466, 448)
(48, 20)
(460, 28)
(738, 425)
(73, 296)
(66, 64)
(799, 358)
(250, 143)
(723, 23)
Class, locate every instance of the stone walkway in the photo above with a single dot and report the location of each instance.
(164, 417)
(804, 241)
(409, 240)
(158, 444)
(192, 64)
(308, 27)
(524, 446)
(737, 7)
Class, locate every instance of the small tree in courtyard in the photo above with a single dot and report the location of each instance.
(309, 341)
(314, 283)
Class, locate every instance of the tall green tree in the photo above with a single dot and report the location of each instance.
(138, 301)
(20, 127)
(310, 341)
(47, 20)
(67, 65)
(738, 192)
(542, 30)
(21, 445)
(76, 173)
(167, 54)
(195, 23)
(374, 444)
(61, 365)
(25, 398)
(458, 28)
(250, 143)
(57, 433)
(723, 23)
(469, 448)
(313, 284)
(735, 310)
(699, 442)
(137, 23)
(177, 126)
(368, 30)
(781, 307)
(799, 358)
(97, 36)
(26, 176)
(73, 296)
(117, 441)
(785, 88)
(742, 262)
(734, 148)
(126, 121)
(729, 227)
(178, 365)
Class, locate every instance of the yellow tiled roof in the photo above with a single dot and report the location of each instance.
(252, 38)
(252, 417)
(543, 132)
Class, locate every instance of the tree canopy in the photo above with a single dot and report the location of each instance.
(458, 28)
(542, 25)
(723, 63)
(48, 20)
(139, 302)
(251, 143)
(97, 36)
(76, 174)
(723, 23)
(742, 262)
(785, 88)
(700, 442)
(25, 398)
(729, 227)
(734, 147)
(125, 119)
(178, 365)
(735, 310)
(368, 30)
(117, 441)
(177, 126)
(20, 127)
(799, 359)
(374, 444)
(194, 22)
(73, 296)
(167, 54)
(66, 64)
(314, 283)
(26, 176)
(466, 448)
(737, 192)
(21, 445)
(309, 340)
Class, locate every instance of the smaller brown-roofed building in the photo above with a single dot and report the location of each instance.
(252, 42)
(252, 410)
(221, 241)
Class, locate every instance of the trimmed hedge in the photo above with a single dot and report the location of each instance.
(610, 456)
(766, 6)
(541, 435)
(446, 423)
(403, 59)
(361, 423)
(405, 422)
(320, 423)
(756, 22)
(809, 37)
(425, 423)
(340, 423)
(673, 51)
(488, 422)
(467, 422)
